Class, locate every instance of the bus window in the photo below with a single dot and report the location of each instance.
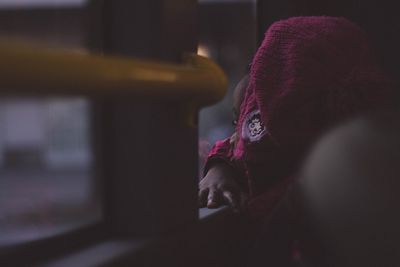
(45, 168)
(53, 22)
(46, 162)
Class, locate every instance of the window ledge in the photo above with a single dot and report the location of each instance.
(215, 237)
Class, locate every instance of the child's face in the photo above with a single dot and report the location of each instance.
(238, 95)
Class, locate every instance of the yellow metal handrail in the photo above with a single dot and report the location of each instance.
(34, 70)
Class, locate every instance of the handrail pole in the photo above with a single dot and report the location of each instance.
(34, 69)
(151, 153)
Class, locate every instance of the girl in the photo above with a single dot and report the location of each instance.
(308, 74)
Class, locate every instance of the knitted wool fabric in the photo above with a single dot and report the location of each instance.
(309, 74)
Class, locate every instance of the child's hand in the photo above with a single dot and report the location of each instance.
(219, 187)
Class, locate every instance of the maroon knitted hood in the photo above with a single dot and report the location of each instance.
(308, 74)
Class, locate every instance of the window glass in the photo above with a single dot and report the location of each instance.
(52, 22)
(40, 3)
(46, 181)
(47, 184)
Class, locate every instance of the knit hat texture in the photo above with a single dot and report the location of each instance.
(310, 73)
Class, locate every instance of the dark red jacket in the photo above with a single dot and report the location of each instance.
(308, 74)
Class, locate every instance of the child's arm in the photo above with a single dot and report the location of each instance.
(220, 184)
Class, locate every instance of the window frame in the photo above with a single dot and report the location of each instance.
(184, 229)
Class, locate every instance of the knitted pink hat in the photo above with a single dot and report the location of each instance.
(308, 74)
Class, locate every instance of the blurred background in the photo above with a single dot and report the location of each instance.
(47, 183)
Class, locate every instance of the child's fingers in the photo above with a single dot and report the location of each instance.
(231, 199)
(203, 193)
(213, 199)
